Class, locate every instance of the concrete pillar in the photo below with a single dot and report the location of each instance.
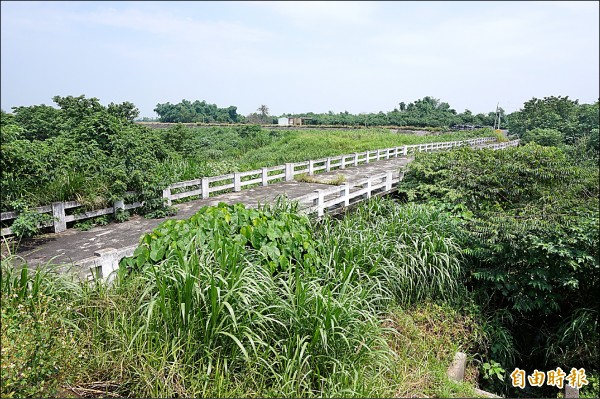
(265, 175)
(405, 151)
(343, 162)
(166, 197)
(328, 164)
(311, 167)
(108, 262)
(378, 155)
(289, 171)
(356, 159)
(237, 182)
(120, 204)
(320, 202)
(205, 185)
(571, 392)
(58, 212)
(346, 194)
(456, 371)
(388, 181)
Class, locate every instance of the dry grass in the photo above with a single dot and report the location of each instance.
(424, 339)
(335, 181)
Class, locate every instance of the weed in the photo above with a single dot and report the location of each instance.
(41, 346)
(336, 181)
(88, 224)
(29, 222)
(122, 215)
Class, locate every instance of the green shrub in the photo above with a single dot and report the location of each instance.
(122, 215)
(41, 348)
(29, 222)
(545, 137)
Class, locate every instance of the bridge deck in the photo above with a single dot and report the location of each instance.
(73, 245)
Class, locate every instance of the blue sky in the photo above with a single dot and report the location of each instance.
(300, 56)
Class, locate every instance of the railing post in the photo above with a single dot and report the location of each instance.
(166, 197)
(237, 182)
(571, 392)
(205, 183)
(328, 165)
(378, 154)
(265, 175)
(343, 162)
(289, 171)
(311, 167)
(120, 204)
(108, 262)
(346, 194)
(387, 153)
(367, 157)
(356, 159)
(367, 185)
(388, 181)
(456, 371)
(320, 202)
(405, 151)
(58, 211)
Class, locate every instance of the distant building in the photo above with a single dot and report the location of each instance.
(291, 121)
(465, 127)
(296, 121)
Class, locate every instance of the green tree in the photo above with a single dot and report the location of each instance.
(39, 122)
(263, 111)
(197, 111)
(530, 232)
(125, 110)
(567, 116)
(545, 137)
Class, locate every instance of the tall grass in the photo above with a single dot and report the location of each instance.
(40, 341)
(296, 146)
(215, 319)
(219, 315)
(409, 249)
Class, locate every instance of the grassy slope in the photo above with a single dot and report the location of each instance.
(296, 146)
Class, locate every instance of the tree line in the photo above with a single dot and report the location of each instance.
(426, 112)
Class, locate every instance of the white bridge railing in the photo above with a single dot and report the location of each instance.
(321, 201)
(204, 187)
(65, 212)
(333, 199)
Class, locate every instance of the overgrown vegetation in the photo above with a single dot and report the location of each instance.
(530, 233)
(244, 302)
(95, 154)
(494, 253)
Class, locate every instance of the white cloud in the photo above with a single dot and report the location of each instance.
(174, 27)
(324, 14)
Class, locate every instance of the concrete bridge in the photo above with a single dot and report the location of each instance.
(96, 252)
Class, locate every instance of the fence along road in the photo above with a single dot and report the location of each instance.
(98, 251)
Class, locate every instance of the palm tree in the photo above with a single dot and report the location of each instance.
(264, 112)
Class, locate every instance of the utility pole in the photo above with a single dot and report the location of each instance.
(497, 117)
